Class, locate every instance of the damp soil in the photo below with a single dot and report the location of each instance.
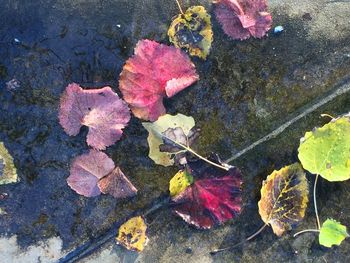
(246, 90)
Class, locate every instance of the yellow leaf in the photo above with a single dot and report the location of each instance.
(284, 198)
(132, 234)
(180, 182)
(8, 172)
(192, 31)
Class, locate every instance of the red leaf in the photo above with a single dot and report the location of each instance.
(117, 185)
(211, 201)
(86, 170)
(100, 109)
(241, 19)
(153, 72)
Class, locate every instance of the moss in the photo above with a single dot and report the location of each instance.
(3, 72)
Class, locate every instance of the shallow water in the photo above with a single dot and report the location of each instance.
(246, 90)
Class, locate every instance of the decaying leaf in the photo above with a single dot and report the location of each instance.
(326, 150)
(332, 233)
(117, 185)
(8, 172)
(155, 71)
(86, 170)
(180, 182)
(284, 198)
(241, 19)
(132, 234)
(177, 127)
(212, 199)
(99, 109)
(192, 31)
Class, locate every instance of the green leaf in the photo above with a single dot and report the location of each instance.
(180, 182)
(332, 233)
(8, 172)
(155, 136)
(326, 150)
(192, 31)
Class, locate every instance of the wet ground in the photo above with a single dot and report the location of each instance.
(246, 90)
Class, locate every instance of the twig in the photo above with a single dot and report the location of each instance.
(240, 243)
(344, 88)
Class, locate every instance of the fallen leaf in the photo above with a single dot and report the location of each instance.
(168, 124)
(326, 150)
(284, 198)
(132, 234)
(117, 185)
(192, 31)
(99, 109)
(180, 182)
(8, 172)
(155, 71)
(241, 19)
(213, 199)
(86, 170)
(332, 233)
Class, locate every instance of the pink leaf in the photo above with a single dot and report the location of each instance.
(241, 19)
(117, 185)
(86, 170)
(153, 72)
(210, 201)
(100, 109)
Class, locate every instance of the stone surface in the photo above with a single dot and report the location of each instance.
(247, 89)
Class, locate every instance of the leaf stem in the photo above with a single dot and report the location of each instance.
(203, 158)
(305, 231)
(240, 243)
(193, 152)
(327, 115)
(180, 8)
(315, 203)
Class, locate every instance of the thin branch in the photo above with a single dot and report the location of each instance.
(240, 243)
(344, 88)
(315, 204)
(327, 115)
(305, 231)
(180, 8)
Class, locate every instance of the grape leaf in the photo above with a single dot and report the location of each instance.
(155, 71)
(99, 109)
(168, 125)
(180, 182)
(117, 184)
(192, 31)
(332, 233)
(86, 170)
(212, 199)
(241, 19)
(8, 172)
(284, 198)
(132, 234)
(326, 150)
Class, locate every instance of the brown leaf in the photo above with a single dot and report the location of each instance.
(117, 185)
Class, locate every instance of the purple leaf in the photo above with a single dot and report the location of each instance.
(86, 170)
(100, 109)
(241, 19)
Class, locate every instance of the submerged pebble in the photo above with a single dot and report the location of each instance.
(278, 30)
